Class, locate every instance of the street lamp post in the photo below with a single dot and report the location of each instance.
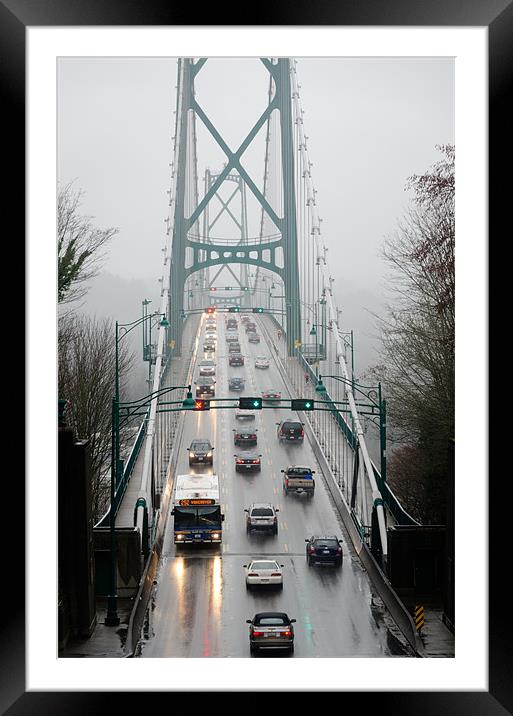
(112, 618)
(376, 403)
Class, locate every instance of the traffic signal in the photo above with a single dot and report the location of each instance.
(245, 288)
(210, 309)
(301, 404)
(234, 309)
(213, 288)
(228, 288)
(250, 403)
(258, 310)
(202, 405)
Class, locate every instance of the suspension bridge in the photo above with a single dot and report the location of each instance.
(240, 242)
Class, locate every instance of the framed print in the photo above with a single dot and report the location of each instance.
(39, 43)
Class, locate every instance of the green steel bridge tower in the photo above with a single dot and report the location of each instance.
(192, 253)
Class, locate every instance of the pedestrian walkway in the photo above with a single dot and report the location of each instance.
(106, 642)
(437, 638)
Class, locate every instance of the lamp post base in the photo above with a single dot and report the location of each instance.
(112, 618)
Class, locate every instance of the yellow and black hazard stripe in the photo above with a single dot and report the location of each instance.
(419, 617)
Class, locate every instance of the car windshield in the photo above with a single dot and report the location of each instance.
(326, 543)
(207, 363)
(264, 565)
(277, 620)
(261, 512)
(292, 426)
(200, 445)
(299, 471)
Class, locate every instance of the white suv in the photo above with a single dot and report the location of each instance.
(262, 517)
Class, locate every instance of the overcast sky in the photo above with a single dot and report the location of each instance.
(371, 123)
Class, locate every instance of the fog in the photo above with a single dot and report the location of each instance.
(370, 122)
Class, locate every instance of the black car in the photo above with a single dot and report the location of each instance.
(231, 323)
(250, 327)
(244, 437)
(205, 388)
(234, 348)
(236, 359)
(271, 630)
(236, 383)
(253, 337)
(324, 549)
(201, 452)
(247, 462)
(232, 337)
(290, 431)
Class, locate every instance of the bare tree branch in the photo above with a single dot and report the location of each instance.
(80, 246)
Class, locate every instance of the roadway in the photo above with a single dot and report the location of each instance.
(200, 604)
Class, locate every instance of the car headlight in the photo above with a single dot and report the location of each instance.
(209, 454)
(215, 536)
(179, 536)
(191, 454)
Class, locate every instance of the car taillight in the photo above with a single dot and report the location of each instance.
(255, 462)
(253, 437)
(258, 633)
(240, 462)
(286, 633)
(275, 574)
(339, 550)
(311, 549)
(286, 482)
(302, 432)
(252, 574)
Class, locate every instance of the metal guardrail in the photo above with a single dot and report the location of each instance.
(390, 500)
(128, 468)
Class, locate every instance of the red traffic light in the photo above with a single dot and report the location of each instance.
(201, 405)
(210, 309)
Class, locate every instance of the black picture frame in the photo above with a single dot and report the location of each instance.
(497, 16)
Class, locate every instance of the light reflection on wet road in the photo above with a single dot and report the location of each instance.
(200, 604)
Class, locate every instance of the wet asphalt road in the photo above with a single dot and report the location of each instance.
(200, 603)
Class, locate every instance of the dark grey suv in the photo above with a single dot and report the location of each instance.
(324, 549)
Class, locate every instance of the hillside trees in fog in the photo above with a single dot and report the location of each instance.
(80, 245)
(418, 340)
(86, 345)
(86, 368)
